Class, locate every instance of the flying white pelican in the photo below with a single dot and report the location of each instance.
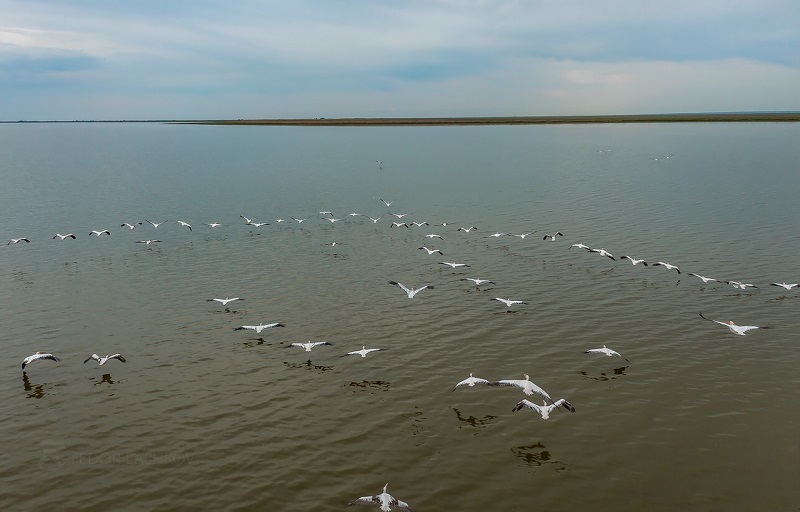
(420, 224)
(579, 246)
(129, 225)
(299, 221)
(331, 219)
(497, 234)
(452, 264)
(374, 221)
(155, 224)
(326, 213)
(702, 278)
(363, 352)
(735, 329)
(552, 238)
(410, 291)
(18, 240)
(434, 235)
(398, 224)
(467, 230)
(399, 215)
(224, 301)
(384, 499)
(98, 233)
(37, 356)
(62, 237)
(214, 224)
(431, 251)
(310, 344)
(103, 360)
(509, 302)
(258, 328)
(477, 281)
(634, 261)
(605, 350)
(785, 285)
(740, 285)
(148, 242)
(258, 224)
(387, 203)
(354, 214)
(543, 409)
(529, 388)
(471, 381)
(246, 219)
(603, 252)
(185, 224)
(667, 265)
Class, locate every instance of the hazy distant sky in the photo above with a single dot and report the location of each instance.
(198, 59)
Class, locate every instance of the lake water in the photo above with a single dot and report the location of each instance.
(204, 417)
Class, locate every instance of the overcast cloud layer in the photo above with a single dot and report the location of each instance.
(204, 59)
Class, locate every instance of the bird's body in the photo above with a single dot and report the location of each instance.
(385, 500)
(471, 382)
(100, 232)
(38, 356)
(410, 291)
(735, 329)
(103, 360)
(224, 301)
(509, 302)
(310, 344)
(258, 328)
(62, 237)
(363, 352)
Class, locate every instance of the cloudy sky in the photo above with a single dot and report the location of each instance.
(203, 59)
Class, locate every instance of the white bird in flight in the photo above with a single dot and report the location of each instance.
(605, 350)
(788, 286)
(634, 261)
(384, 201)
(384, 499)
(667, 265)
(215, 224)
(467, 230)
(410, 291)
(103, 360)
(363, 352)
(185, 224)
(431, 251)
(735, 329)
(741, 285)
(374, 221)
(702, 278)
(398, 224)
(258, 328)
(543, 409)
(148, 242)
(310, 344)
(471, 381)
(579, 246)
(509, 302)
(98, 233)
(129, 225)
(453, 264)
(155, 224)
(300, 221)
(62, 237)
(224, 301)
(603, 252)
(498, 234)
(37, 356)
(477, 281)
(529, 388)
(552, 237)
(434, 235)
(400, 215)
(18, 240)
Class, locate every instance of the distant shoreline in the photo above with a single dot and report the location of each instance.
(732, 117)
(521, 120)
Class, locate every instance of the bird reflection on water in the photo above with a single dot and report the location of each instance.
(603, 376)
(472, 421)
(308, 364)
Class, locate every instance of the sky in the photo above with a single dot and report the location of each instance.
(253, 59)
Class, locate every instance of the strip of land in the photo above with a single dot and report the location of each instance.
(737, 117)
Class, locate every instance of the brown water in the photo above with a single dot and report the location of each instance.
(204, 417)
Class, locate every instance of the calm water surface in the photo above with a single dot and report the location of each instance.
(203, 417)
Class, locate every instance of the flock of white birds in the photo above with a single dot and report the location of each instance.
(384, 500)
